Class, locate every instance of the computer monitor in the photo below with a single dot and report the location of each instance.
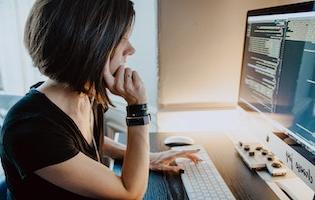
(278, 79)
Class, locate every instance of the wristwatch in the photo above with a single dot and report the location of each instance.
(137, 121)
(137, 110)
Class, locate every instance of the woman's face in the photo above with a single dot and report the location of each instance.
(122, 51)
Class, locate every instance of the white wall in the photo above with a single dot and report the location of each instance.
(16, 69)
(17, 72)
(144, 40)
(16, 66)
(200, 46)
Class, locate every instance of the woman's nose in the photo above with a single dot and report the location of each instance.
(130, 50)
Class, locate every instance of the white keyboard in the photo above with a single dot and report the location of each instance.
(202, 180)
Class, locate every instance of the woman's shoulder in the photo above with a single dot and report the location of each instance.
(32, 106)
(31, 127)
(29, 115)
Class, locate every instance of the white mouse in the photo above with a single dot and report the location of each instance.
(178, 140)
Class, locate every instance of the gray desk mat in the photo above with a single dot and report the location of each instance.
(161, 186)
(157, 185)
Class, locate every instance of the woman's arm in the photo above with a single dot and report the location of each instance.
(85, 176)
(159, 161)
(135, 170)
(113, 149)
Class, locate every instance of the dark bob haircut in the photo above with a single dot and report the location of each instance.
(70, 40)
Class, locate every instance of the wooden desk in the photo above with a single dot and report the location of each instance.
(244, 183)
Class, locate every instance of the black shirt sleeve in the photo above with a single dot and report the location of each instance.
(35, 143)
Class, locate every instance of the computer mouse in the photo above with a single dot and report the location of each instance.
(178, 140)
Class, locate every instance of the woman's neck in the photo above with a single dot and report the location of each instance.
(71, 102)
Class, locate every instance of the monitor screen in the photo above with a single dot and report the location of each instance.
(278, 70)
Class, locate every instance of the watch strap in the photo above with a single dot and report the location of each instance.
(137, 121)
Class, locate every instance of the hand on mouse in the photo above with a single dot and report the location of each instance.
(125, 83)
(163, 161)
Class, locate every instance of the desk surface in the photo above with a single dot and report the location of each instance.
(244, 183)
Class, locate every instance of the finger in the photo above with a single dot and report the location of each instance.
(128, 79)
(193, 157)
(168, 168)
(171, 155)
(184, 152)
(190, 154)
(136, 79)
(169, 159)
(109, 78)
(119, 78)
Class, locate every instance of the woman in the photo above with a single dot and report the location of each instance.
(52, 139)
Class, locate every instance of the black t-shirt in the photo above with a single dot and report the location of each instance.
(35, 134)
